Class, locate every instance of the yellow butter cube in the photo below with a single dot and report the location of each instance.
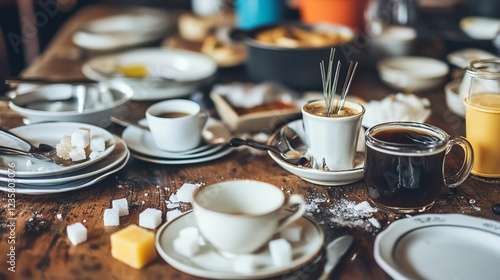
(134, 246)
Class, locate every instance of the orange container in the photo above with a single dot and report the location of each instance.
(344, 12)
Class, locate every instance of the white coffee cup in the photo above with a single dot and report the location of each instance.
(176, 124)
(332, 141)
(241, 216)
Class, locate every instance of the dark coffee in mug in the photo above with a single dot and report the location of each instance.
(171, 115)
(404, 165)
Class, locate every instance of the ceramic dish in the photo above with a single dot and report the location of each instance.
(31, 189)
(141, 141)
(130, 28)
(440, 246)
(154, 73)
(453, 99)
(60, 102)
(320, 177)
(49, 133)
(210, 264)
(209, 157)
(480, 28)
(117, 156)
(412, 73)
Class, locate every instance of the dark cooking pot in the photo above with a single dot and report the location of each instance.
(295, 67)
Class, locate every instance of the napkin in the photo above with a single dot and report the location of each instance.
(396, 107)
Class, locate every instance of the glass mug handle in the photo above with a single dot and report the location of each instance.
(461, 175)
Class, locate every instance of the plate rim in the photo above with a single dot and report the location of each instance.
(397, 229)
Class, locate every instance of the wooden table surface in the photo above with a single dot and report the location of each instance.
(43, 251)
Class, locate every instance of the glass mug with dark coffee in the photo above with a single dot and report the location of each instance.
(404, 165)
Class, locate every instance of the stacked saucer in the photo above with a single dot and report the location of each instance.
(143, 147)
(26, 175)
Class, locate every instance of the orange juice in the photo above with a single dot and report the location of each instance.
(482, 129)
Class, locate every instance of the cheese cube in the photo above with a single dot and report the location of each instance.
(133, 245)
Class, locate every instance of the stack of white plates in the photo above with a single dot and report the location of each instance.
(143, 147)
(27, 175)
(154, 73)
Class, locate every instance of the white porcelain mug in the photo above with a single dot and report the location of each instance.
(176, 124)
(241, 216)
(332, 141)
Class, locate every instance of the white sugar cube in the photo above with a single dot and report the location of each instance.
(80, 138)
(292, 233)
(172, 214)
(111, 217)
(245, 264)
(281, 252)
(185, 193)
(97, 143)
(186, 245)
(77, 154)
(122, 206)
(77, 233)
(150, 218)
(189, 232)
(173, 198)
(94, 155)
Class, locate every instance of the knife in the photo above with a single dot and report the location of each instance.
(334, 252)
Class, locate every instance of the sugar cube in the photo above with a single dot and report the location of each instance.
(186, 245)
(281, 252)
(172, 214)
(122, 206)
(111, 217)
(292, 233)
(80, 138)
(185, 193)
(150, 218)
(77, 154)
(94, 155)
(77, 233)
(134, 246)
(64, 147)
(189, 231)
(245, 264)
(97, 143)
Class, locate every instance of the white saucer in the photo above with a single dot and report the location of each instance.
(141, 141)
(190, 69)
(49, 133)
(209, 264)
(206, 158)
(117, 156)
(65, 187)
(440, 246)
(321, 177)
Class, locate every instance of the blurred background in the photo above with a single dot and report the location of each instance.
(27, 26)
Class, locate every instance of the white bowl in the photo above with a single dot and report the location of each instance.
(412, 73)
(48, 103)
(453, 98)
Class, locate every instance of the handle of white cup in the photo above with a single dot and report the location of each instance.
(461, 175)
(294, 199)
(203, 115)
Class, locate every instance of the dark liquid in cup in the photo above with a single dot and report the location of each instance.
(320, 110)
(404, 181)
(172, 114)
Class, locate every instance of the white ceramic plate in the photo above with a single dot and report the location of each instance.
(412, 73)
(480, 28)
(130, 28)
(440, 246)
(190, 69)
(141, 141)
(209, 264)
(320, 177)
(453, 99)
(118, 155)
(206, 158)
(65, 187)
(49, 133)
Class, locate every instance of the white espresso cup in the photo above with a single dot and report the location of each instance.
(241, 216)
(332, 140)
(176, 124)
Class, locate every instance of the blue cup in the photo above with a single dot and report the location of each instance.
(254, 13)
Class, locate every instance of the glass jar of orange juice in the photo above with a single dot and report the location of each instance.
(482, 115)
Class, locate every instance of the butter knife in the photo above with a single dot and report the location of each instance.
(334, 252)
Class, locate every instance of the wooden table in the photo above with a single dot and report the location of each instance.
(43, 251)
